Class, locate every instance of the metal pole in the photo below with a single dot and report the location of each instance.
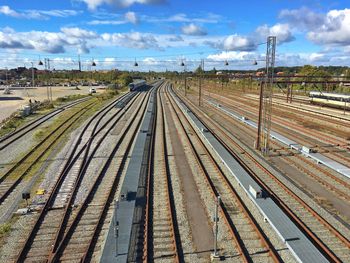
(185, 81)
(116, 227)
(257, 145)
(216, 220)
(6, 75)
(200, 91)
(200, 83)
(32, 74)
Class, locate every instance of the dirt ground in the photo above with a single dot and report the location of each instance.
(20, 96)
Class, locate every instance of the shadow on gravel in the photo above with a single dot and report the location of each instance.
(11, 98)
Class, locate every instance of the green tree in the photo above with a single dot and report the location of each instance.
(125, 79)
(199, 70)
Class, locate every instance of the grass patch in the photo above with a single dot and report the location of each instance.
(39, 134)
(4, 229)
(69, 98)
(43, 133)
(10, 124)
(15, 121)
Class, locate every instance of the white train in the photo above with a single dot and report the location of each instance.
(137, 84)
(335, 100)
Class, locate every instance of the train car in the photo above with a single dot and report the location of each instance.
(137, 84)
(334, 100)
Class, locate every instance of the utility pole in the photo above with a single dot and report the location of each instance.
(265, 107)
(79, 63)
(48, 87)
(185, 80)
(6, 72)
(184, 74)
(200, 82)
(116, 226)
(32, 74)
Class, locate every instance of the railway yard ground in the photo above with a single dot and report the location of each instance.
(161, 174)
(20, 96)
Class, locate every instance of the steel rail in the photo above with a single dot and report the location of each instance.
(301, 225)
(170, 202)
(21, 176)
(82, 170)
(35, 124)
(234, 231)
(60, 244)
(68, 165)
(307, 162)
(97, 229)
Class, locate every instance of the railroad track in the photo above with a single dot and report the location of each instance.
(47, 230)
(250, 241)
(10, 138)
(79, 239)
(14, 176)
(303, 136)
(324, 235)
(322, 115)
(324, 176)
(321, 137)
(162, 237)
(338, 120)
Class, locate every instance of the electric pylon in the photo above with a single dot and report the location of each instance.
(266, 91)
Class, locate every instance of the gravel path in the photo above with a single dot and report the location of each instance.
(225, 242)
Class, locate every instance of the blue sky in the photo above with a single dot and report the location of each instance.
(160, 34)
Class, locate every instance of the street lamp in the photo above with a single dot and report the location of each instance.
(185, 81)
(32, 74)
(93, 64)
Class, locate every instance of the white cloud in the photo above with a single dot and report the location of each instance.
(175, 38)
(281, 31)
(37, 14)
(132, 40)
(334, 31)
(77, 32)
(181, 17)
(236, 42)
(193, 30)
(131, 17)
(250, 42)
(327, 29)
(93, 4)
(303, 18)
(106, 22)
(6, 10)
(233, 43)
(151, 61)
(58, 13)
(50, 42)
(233, 55)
